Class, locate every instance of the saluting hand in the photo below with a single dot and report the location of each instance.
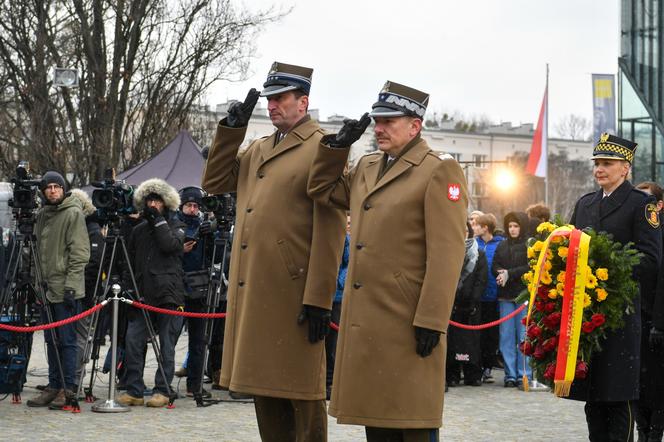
(240, 112)
(349, 133)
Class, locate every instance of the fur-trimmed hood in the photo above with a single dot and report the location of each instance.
(84, 199)
(161, 188)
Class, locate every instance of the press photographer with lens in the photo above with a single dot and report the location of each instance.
(155, 249)
(64, 251)
(196, 265)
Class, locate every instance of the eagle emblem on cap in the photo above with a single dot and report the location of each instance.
(604, 137)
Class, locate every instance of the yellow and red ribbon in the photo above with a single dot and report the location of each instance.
(572, 308)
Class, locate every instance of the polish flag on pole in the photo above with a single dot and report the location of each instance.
(537, 161)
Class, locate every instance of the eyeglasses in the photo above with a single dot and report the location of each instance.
(52, 187)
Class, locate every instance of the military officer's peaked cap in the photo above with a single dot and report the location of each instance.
(396, 100)
(287, 77)
(610, 147)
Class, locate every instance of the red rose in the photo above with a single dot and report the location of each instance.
(539, 352)
(597, 319)
(539, 306)
(543, 292)
(549, 307)
(552, 321)
(581, 370)
(588, 327)
(550, 371)
(524, 319)
(534, 331)
(526, 348)
(550, 344)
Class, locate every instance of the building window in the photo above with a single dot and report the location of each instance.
(456, 156)
(479, 160)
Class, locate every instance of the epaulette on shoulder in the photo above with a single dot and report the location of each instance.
(366, 155)
(587, 194)
(640, 192)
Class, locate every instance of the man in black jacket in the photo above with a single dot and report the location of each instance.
(630, 215)
(155, 249)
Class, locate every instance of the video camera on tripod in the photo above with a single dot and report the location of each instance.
(24, 198)
(112, 198)
(223, 207)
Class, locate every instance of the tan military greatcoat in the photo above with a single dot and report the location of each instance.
(286, 252)
(407, 248)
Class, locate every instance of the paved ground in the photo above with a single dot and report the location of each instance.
(487, 413)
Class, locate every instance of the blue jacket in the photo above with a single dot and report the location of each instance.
(343, 270)
(491, 292)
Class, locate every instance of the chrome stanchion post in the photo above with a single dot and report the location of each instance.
(109, 405)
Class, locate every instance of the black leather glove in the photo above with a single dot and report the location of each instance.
(319, 322)
(426, 340)
(205, 228)
(656, 338)
(349, 133)
(151, 214)
(240, 112)
(69, 299)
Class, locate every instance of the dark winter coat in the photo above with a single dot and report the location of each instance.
(464, 345)
(512, 256)
(156, 250)
(614, 371)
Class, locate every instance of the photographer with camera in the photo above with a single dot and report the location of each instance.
(64, 251)
(155, 250)
(196, 265)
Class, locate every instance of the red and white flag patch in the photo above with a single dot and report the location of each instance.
(453, 192)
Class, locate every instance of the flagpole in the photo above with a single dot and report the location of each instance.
(546, 126)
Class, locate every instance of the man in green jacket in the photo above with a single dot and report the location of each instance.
(64, 250)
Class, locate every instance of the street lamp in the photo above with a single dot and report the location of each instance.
(64, 77)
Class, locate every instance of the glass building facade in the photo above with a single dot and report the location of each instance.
(641, 85)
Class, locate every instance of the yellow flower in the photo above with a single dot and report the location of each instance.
(531, 253)
(538, 246)
(591, 282)
(549, 255)
(557, 239)
(528, 277)
(546, 278)
(547, 265)
(586, 300)
(562, 252)
(560, 287)
(601, 294)
(553, 293)
(546, 227)
(602, 274)
(561, 276)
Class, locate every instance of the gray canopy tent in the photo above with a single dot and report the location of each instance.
(180, 164)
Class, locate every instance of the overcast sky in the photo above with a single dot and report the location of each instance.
(482, 57)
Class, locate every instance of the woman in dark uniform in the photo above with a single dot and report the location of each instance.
(630, 215)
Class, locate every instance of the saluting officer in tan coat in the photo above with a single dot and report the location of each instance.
(408, 224)
(285, 256)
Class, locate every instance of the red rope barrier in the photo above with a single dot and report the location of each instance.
(173, 312)
(20, 329)
(489, 324)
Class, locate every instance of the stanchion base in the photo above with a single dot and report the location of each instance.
(109, 406)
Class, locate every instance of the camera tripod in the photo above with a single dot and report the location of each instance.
(111, 242)
(22, 289)
(217, 286)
